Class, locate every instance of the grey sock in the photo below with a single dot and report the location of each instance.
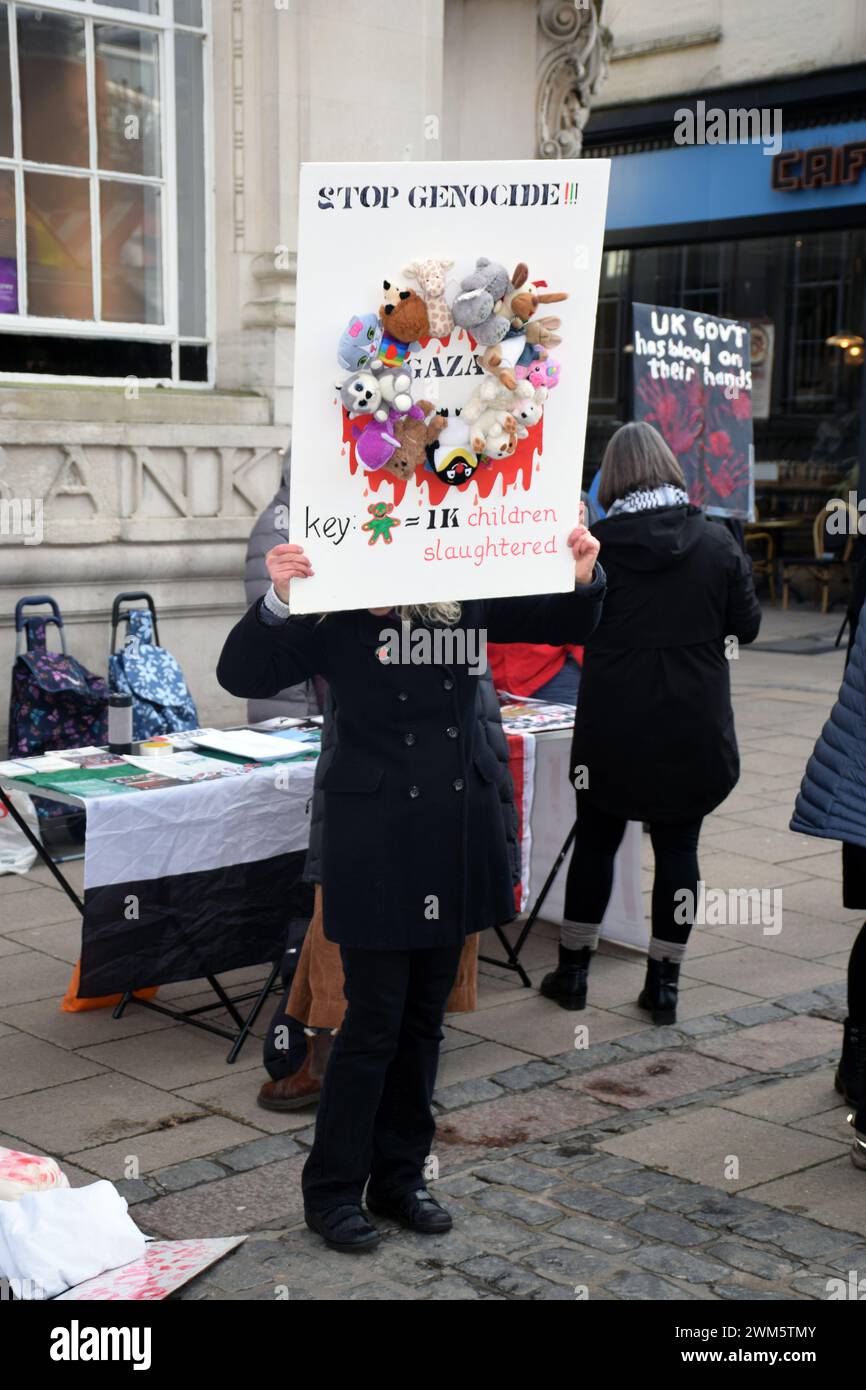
(574, 936)
(667, 950)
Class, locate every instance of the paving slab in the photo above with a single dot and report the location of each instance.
(702, 1143)
(28, 1065)
(176, 1058)
(757, 970)
(228, 1206)
(650, 1079)
(538, 1026)
(199, 1136)
(515, 1119)
(235, 1094)
(774, 1046)
(32, 975)
(44, 1018)
(88, 1113)
(833, 1193)
(790, 1099)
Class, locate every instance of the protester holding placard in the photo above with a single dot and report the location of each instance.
(414, 857)
(654, 734)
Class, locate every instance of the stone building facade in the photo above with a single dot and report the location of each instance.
(146, 368)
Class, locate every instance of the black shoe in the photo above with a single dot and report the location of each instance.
(344, 1228)
(660, 991)
(568, 982)
(851, 1072)
(417, 1210)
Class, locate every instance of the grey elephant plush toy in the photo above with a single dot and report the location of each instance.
(475, 306)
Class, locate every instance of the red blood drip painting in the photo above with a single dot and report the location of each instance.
(516, 470)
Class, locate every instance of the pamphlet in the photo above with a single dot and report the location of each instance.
(146, 781)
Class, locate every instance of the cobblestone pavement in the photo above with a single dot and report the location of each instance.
(704, 1161)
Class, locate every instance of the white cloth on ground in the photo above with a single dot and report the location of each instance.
(60, 1237)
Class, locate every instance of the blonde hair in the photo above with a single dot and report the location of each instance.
(636, 457)
(426, 613)
(447, 613)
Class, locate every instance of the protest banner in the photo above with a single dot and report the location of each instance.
(693, 382)
(443, 349)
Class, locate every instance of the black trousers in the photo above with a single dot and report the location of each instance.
(590, 873)
(375, 1118)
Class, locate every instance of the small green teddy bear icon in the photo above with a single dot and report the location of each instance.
(381, 522)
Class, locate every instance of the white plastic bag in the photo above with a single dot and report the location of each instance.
(17, 855)
(61, 1236)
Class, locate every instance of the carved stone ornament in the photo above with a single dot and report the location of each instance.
(570, 73)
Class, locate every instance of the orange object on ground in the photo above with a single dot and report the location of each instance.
(72, 1004)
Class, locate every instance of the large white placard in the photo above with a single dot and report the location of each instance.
(487, 510)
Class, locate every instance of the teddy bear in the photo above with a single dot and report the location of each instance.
(376, 391)
(430, 275)
(406, 318)
(414, 434)
(359, 342)
(475, 306)
(377, 442)
(527, 409)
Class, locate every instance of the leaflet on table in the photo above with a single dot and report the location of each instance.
(186, 766)
(145, 781)
(253, 747)
(532, 716)
(87, 788)
(46, 762)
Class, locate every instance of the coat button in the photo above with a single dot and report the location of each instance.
(452, 732)
(414, 791)
(409, 739)
(403, 695)
(448, 683)
(458, 784)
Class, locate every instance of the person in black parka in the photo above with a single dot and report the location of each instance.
(654, 730)
(414, 858)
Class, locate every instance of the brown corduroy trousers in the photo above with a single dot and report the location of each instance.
(317, 998)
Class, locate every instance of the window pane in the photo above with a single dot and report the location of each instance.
(189, 96)
(51, 64)
(127, 99)
(8, 249)
(143, 6)
(59, 281)
(5, 86)
(187, 12)
(131, 252)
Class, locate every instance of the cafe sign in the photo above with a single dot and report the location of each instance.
(822, 166)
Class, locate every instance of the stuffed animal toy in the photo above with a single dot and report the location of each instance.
(451, 456)
(430, 275)
(376, 391)
(390, 294)
(377, 442)
(407, 319)
(414, 434)
(475, 306)
(359, 342)
(527, 410)
(542, 332)
(501, 360)
(518, 304)
(538, 368)
(392, 353)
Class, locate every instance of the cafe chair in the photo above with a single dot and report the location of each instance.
(823, 563)
(764, 561)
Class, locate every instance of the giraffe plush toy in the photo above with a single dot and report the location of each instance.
(431, 277)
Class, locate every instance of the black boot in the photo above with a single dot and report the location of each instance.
(567, 983)
(660, 991)
(851, 1072)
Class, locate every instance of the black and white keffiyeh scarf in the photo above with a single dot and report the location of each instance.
(645, 499)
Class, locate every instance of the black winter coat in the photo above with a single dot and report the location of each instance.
(654, 725)
(413, 852)
(490, 730)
